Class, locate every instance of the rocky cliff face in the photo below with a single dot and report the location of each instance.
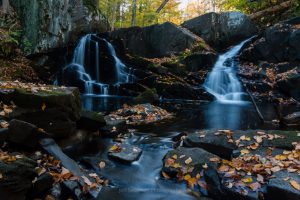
(49, 24)
(221, 30)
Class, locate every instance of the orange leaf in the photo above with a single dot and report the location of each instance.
(295, 185)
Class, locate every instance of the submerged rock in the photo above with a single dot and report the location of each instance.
(125, 153)
(221, 30)
(91, 121)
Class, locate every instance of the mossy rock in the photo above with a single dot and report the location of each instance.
(148, 96)
(67, 98)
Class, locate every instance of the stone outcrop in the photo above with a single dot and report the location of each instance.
(52, 24)
(156, 40)
(221, 30)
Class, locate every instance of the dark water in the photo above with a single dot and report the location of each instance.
(142, 179)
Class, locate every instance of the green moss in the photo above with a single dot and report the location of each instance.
(148, 96)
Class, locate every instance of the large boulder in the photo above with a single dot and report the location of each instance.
(277, 44)
(221, 30)
(52, 24)
(156, 40)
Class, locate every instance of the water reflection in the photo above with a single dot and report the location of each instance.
(232, 116)
(104, 103)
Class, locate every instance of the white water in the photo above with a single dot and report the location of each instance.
(124, 73)
(222, 81)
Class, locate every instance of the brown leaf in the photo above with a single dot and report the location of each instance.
(86, 180)
(214, 159)
(295, 184)
(188, 161)
(102, 165)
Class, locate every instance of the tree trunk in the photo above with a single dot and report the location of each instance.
(164, 3)
(5, 6)
(133, 22)
(273, 9)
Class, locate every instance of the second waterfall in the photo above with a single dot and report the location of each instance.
(95, 68)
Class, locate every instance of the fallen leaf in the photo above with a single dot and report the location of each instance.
(244, 151)
(205, 166)
(102, 165)
(174, 156)
(295, 185)
(43, 107)
(224, 168)
(255, 186)
(247, 180)
(275, 169)
(86, 180)
(215, 159)
(165, 175)
(188, 161)
(260, 178)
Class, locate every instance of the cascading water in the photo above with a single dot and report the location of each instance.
(222, 81)
(90, 71)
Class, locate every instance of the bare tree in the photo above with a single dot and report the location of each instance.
(133, 22)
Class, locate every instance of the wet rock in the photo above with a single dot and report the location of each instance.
(54, 120)
(42, 185)
(156, 40)
(217, 144)
(17, 178)
(73, 18)
(222, 30)
(72, 189)
(125, 153)
(6, 95)
(290, 85)
(4, 132)
(278, 188)
(91, 121)
(56, 191)
(292, 119)
(23, 133)
(148, 96)
(200, 60)
(199, 157)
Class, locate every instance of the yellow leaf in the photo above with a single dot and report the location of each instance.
(43, 106)
(176, 165)
(187, 177)
(275, 169)
(174, 156)
(188, 161)
(295, 185)
(192, 182)
(244, 151)
(280, 157)
(247, 180)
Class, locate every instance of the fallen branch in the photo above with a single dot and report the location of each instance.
(255, 105)
(272, 9)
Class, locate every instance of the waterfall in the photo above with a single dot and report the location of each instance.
(222, 81)
(91, 73)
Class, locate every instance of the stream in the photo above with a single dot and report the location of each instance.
(142, 179)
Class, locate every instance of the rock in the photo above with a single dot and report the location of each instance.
(199, 157)
(4, 132)
(292, 119)
(23, 133)
(55, 121)
(148, 96)
(54, 109)
(68, 99)
(42, 185)
(73, 189)
(91, 121)
(156, 40)
(6, 95)
(290, 85)
(52, 24)
(200, 60)
(125, 153)
(278, 188)
(17, 178)
(275, 45)
(53, 149)
(216, 144)
(222, 30)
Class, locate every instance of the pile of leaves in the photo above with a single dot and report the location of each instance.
(29, 87)
(141, 114)
(59, 173)
(5, 110)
